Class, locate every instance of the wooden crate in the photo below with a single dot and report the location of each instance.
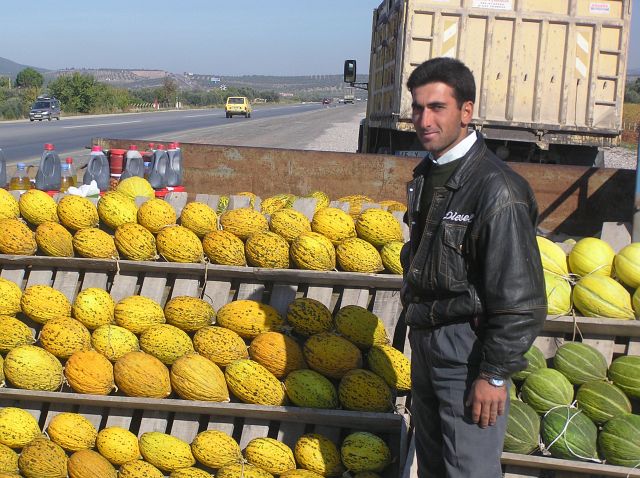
(221, 284)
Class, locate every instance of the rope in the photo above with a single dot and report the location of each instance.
(562, 433)
(403, 411)
(630, 471)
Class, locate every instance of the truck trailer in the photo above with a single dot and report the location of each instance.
(550, 74)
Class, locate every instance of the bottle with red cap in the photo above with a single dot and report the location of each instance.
(72, 171)
(159, 166)
(50, 171)
(68, 175)
(134, 165)
(97, 169)
(174, 172)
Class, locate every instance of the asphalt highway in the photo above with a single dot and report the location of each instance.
(23, 141)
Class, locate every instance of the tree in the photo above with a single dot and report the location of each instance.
(29, 78)
(5, 82)
(167, 93)
(76, 92)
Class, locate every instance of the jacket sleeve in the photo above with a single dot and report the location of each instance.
(512, 285)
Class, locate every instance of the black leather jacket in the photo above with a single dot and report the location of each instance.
(477, 259)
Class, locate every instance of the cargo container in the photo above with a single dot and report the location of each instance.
(549, 74)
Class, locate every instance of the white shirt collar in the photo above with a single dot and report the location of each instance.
(458, 151)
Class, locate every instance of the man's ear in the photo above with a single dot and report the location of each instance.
(467, 112)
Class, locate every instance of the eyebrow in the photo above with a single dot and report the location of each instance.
(433, 104)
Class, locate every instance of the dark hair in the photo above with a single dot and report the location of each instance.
(449, 71)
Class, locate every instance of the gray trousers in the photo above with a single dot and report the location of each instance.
(444, 364)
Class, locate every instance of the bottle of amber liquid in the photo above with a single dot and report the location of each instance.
(20, 180)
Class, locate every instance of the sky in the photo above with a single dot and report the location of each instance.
(236, 37)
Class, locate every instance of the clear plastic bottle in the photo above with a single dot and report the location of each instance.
(20, 180)
(67, 179)
(3, 169)
(72, 171)
(48, 175)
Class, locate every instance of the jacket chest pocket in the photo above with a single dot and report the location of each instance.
(452, 264)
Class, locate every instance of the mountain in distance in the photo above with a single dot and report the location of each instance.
(11, 68)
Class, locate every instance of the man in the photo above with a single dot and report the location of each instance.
(473, 290)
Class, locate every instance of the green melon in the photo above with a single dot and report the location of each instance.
(576, 434)
(535, 360)
(580, 363)
(523, 429)
(619, 440)
(625, 373)
(546, 388)
(602, 401)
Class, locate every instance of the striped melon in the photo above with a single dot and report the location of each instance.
(93, 307)
(289, 223)
(193, 377)
(89, 372)
(364, 451)
(137, 313)
(72, 431)
(390, 254)
(189, 313)
(116, 209)
(63, 336)
(627, 265)
(156, 214)
(619, 440)
(308, 388)
(243, 222)
(602, 401)
(364, 391)
(113, 341)
(135, 242)
(360, 326)
(199, 218)
(166, 343)
(138, 374)
(17, 427)
(278, 353)
(625, 373)
(553, 257)
(77, 212)
(37, 207)
(134, 187)
(214, 448)
(267, 249)
(277, 202)
(90, 464)
(545, 389)
(558, 291)
(535, 361)
(580, 363)
(191, 472)
(252, 383)
(54, 239)
(43, 458)
(139, 469)
(8, 461)
(242, 470)
(523, 429)
(392, 205)
(42, 303)
(222, 247)
(220, 345)
(357, 255)
(378, 227)
(392, 365)
(94, 243)
(568, 433)
(302, 473)
(313, 251)
(309, 316)
(166, 452)
(13, 333)
(271, 455)
(10, 295)
(356, 202)
(249, 318)
(179, 244)
(591, 256)
(33, 368)
(317, 453)
(331, 355)
(9, 208)
(16, 238)
(600, 296)
(333, 223)
(117, 445)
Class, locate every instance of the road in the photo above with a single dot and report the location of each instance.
(291, 126)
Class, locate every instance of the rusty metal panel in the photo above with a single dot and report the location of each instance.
(539, 65)
(574, 200)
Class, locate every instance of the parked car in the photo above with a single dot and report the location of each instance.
(45, 107)
(326, 101)
(238, 105)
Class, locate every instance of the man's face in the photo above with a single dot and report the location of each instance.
(439, 123)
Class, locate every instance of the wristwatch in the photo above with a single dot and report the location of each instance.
(494, 381)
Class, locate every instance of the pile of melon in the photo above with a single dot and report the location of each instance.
(592, 280)
(576, 407)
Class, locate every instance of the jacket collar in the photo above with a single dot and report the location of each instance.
(464, 169)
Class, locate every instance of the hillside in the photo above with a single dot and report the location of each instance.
(11, 68)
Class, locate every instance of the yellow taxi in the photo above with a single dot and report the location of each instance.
(238, 105)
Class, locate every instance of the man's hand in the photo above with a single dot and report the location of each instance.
(486, 402)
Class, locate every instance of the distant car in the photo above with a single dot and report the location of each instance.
(238, 105)
(326, 101)
(45, 107)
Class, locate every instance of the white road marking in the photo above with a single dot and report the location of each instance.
(202, 116)
(101, 124)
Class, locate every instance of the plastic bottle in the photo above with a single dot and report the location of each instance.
(49, 172)
(72, 171)
(134, 165)
(3, 169)
(159, 166)
(67, 180)
(20, 180)
(174, 172)
(97, 169)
